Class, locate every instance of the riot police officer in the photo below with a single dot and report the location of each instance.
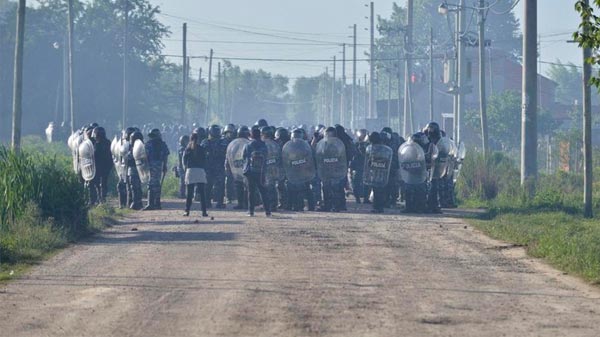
(134, 184)
(433, 133)
(255, 154)
(229, 134)
(357, 164)
(216, 149)
(157, 152)
(180, 168)
(282, 136)
(103, 159)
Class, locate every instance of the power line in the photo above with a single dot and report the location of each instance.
(293, 60)
(247, 31)
(508, 10)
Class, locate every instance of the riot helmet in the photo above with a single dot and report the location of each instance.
(214, 132)
(267, 132)
(261, 123)
(184, 140)
(154, 134)
(229, 131)
(282, 134)
(298, 133)
(243, 132)
(375, 138)
(362, 135)
(330, 132)
(99, 133)
(432, 130)
(137, 135)
(201, 132)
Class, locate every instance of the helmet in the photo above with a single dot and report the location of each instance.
(99, 132)
(243, 132)
(319, 127)
(421, 139)
(330, 132)
(362, 135)
(154, 134)
(261, 123)
(267, 132)
(282, 133)
(201, 132)
(385, 136)
(387, 129)
(375, 138)
(298, 133)
(214, 132)
(432, 130)
(135, 136)
(184, 140)
(229, 128)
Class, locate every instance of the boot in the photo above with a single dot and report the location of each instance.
(151, 201)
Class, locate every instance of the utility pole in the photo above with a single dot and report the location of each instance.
(408, 39)
(70, 17)
(208, 102)
(389, 100)
(125, 64)
(185, 75)
(333, 88)
(365, 113)
(18, 78)
(372, 103)
(431, 108)
(462, 20)
(343, 91)
(482, 98)
(588, 177)
(529, 100)
(219, 93)
(353, 114)
(200, 94)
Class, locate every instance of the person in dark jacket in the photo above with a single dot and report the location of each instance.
(104, 163)
(194, 162)
(255, 154)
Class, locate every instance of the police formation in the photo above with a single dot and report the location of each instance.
(274, 167)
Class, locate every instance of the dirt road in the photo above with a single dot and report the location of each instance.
(311, 274)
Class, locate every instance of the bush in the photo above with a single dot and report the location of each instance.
(42, 205)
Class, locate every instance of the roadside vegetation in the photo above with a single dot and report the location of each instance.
(550, 226)
(42, 205)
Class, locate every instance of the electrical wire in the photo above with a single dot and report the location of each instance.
(506, 11)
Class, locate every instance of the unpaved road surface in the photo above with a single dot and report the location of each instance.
(311, 274)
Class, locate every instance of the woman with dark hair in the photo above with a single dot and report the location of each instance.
(194, 162)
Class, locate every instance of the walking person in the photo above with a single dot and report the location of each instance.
(194, 162)
(255, 154)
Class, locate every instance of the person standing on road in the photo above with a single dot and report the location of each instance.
(194, 162)
(255, 154)
(158, 154)
(104, 163)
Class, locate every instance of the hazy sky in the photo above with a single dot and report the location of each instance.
(300, 22)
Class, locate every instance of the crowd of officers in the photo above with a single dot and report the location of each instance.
(291, 169)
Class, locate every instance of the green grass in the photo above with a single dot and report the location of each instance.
(567, 241)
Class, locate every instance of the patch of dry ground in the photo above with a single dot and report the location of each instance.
(311, 274)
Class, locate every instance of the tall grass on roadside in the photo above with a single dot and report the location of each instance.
(42, 205)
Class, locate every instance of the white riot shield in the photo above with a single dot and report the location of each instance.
(331, 159)
(440, 166)
(141, 161)
(274, 170)
(413, 168)
(378, 162)
(298, 162)
(235, 157)
(86, 160)
(461, 154)
(74, 141)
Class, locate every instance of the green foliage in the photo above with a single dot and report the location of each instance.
(569, 242)
(588, 35)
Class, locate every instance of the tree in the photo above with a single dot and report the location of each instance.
(568, 76)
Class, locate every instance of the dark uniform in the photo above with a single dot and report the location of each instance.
(216, 150)
(104, 163)
(255, 154)
(134, 184)
(158, 154)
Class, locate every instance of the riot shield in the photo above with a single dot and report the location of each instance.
(461, 154)
(74, 141)
(298, 161)
(378, 161)
(86, 160)
(116, 148)
(413, 169)
(274, 169)
(331, 159)
(235, 157)
(440, 166)
(141, 161)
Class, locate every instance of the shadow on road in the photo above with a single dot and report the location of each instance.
(154, 237)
